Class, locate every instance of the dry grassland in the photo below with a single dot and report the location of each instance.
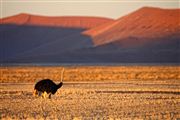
(91, 74)
(93, 93)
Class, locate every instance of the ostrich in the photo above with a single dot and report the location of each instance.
(47, 87)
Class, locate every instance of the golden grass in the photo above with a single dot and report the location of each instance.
(122, 92)
(89, 73)
(90, 102)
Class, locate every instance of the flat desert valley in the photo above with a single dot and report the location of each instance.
(92, 93)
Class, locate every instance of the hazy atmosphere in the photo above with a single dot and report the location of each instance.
(103, 8)
(94, 60)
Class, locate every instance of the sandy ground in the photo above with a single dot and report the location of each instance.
(93, 101)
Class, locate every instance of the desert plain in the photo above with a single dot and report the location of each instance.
(92, 93)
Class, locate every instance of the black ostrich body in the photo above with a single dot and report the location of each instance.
(46, 86)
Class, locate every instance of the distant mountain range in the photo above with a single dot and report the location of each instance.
(148, 35)
(62, 21)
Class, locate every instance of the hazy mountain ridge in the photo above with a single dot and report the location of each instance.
(145, 22)
(84, 22)
(148, 35)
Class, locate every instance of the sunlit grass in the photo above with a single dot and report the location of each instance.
(93, 93)
(90, 74)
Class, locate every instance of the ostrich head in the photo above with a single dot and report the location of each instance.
(59, 85)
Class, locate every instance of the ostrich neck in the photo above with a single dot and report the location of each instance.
(60, 84)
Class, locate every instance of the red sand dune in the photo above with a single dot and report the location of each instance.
(71, 21)
(148, 35)
(146, 22)
(134, 28)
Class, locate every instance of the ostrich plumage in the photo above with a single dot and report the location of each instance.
(46, 86)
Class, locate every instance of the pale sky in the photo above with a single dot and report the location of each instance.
(102, 8)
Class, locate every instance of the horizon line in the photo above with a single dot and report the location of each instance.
(43, 15)
(80, 1)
